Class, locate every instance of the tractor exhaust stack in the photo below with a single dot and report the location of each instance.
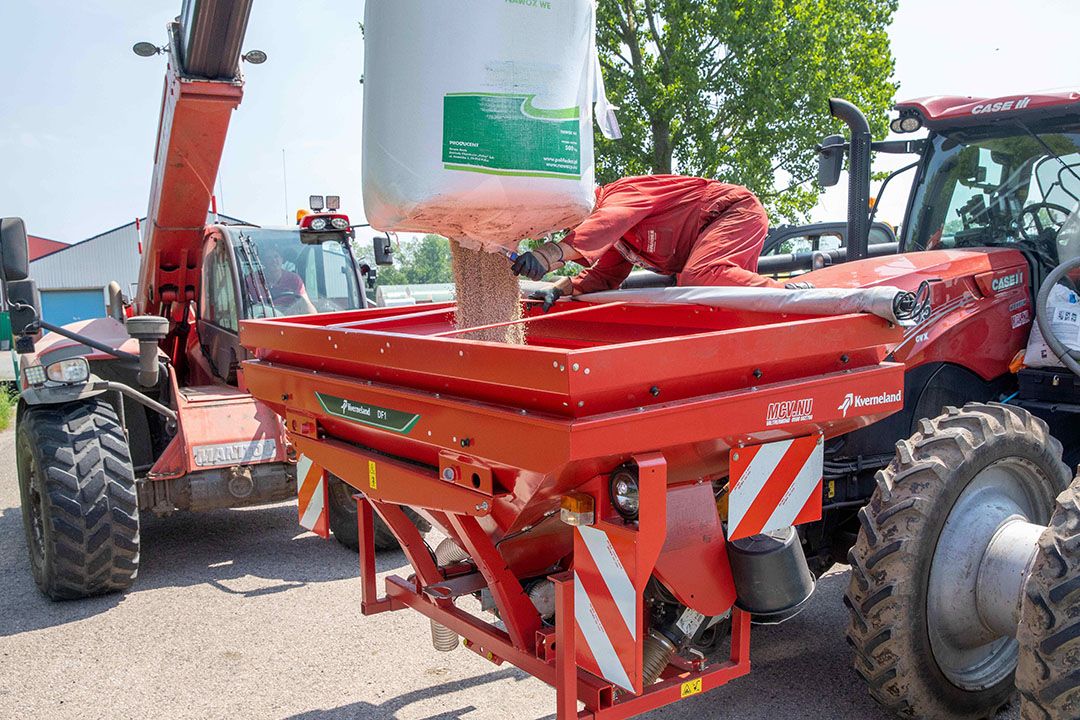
(858, 176)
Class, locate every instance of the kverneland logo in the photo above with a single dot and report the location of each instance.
(853, 400)
(789, 411)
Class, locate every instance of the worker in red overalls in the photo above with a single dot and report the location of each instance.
(704, 232)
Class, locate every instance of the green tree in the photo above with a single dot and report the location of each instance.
(424, 261)
(738, 89)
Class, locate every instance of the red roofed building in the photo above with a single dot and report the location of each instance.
(40, 246)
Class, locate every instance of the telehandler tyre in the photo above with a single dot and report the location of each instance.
(343, 519)
(1049, 672)
(79, 503)
(921, 643)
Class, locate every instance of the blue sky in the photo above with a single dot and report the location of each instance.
(79, 114)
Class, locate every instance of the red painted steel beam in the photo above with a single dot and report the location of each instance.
(544, 443)
(515, 608)
(394, 481)
(193, 124)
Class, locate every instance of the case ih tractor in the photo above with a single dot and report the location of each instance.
(659, 467)
(147, 411)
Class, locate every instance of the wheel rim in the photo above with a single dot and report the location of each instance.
(36, 514)
(971, 655)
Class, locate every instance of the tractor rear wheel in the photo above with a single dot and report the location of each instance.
(344, 519)
(79, 504)
(924, 641)
(1049, 672)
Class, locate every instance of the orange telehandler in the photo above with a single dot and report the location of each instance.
(146, 410)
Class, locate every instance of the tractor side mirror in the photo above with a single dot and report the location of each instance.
(830, 160)
(14, 262)
(24, 305)
(384, 253)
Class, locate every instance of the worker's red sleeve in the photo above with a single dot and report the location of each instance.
(616, 213)
(727, 251)
(607, 273)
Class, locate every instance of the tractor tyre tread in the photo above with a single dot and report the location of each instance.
(89, 498)
(891, 557)
(1048, 675)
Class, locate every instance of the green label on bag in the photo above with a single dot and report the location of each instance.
(506, 135)
(373, 415)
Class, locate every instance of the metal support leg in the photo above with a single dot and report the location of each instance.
(565, 648)
(370, 602)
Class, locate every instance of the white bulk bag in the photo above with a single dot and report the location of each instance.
(1063, 309)
(477, 121)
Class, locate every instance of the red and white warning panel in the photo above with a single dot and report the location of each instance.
(775, 485)
(607, 605)
(311, 496)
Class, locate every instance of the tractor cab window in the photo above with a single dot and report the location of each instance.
(219, 287)
(283, 276)
(1020, 189)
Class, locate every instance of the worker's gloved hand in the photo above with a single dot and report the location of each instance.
(551, 292)
(800, 285)
(539, 262)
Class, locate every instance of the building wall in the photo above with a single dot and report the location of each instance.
(72, 280)
(92, 263)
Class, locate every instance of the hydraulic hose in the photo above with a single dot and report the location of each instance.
(1067, 357)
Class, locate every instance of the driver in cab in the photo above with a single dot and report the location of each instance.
(286, 288)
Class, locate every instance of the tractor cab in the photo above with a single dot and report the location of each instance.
(1002, 173)
(251, 272)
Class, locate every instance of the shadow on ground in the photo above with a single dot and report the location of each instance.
(186, 549)
(389, 708)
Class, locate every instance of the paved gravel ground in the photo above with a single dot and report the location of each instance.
(237, 614)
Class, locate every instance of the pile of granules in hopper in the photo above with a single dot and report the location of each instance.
(487, 293)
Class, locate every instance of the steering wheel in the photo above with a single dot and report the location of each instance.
(1033, 223)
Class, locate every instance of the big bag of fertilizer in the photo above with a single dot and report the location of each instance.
(478, 117)
(1063, 310)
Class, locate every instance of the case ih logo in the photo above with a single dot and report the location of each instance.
(1004, 106)
(851, 400)
(790, 411)
(1008, 281)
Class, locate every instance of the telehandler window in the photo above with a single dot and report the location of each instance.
(219, 289)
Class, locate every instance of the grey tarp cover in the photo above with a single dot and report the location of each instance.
(818, 301)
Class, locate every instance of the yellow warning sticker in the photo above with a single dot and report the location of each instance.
(371, 479)
(691, 687)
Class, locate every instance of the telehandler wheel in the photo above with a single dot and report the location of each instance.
(931, 620)
(1049, 672)
(79, 504)
(343, 519)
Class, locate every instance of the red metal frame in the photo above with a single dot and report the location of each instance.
(536, 422)
(551, 660)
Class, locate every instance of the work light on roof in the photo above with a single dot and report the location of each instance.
(333, 202)
(316, 202)
(907, 123)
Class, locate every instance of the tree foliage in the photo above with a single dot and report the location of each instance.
(739, 89)
(419, 262)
